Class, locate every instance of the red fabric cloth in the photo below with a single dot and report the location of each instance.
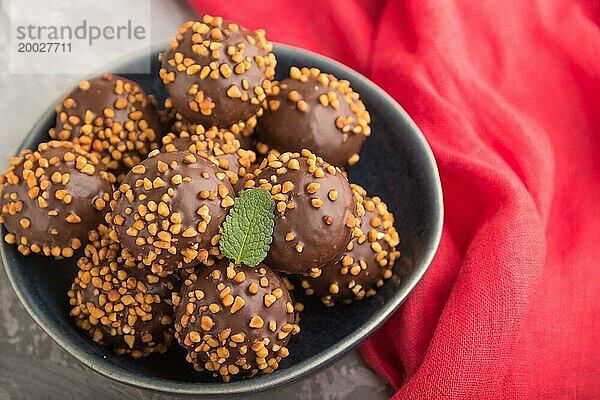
(508, 95)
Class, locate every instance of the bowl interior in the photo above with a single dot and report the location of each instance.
(396, 164)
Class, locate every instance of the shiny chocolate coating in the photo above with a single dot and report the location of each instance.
(169, 209)
(52, 198)
(217, 72)
(315, 111)
(234, 320)
(315, 208)
(111, 116)
(368, 260)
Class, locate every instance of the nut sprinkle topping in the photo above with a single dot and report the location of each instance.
(219, 146)
(173, 121)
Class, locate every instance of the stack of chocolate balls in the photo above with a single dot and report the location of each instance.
(140, 196)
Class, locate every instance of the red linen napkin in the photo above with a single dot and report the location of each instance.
(508, 95)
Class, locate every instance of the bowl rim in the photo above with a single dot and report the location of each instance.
(304, 368)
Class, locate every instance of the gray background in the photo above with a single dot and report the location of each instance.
(32, 366)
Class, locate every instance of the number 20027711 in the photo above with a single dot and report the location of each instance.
(43, 47)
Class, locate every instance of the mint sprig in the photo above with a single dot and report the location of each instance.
(248, 228)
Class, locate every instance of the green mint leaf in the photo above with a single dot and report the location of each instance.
(248, 228)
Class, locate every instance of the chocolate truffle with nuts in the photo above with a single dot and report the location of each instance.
(315, 208)
(316, 111)
(169, 209)
(111, 116)
(234, 320)
(219, 146)
(217, 72)
(52, 198)
(128, 309)
(368, 260)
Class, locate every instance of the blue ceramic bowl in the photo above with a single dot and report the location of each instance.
(396, 164)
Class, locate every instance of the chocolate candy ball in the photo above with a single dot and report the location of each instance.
(316, 111)
(234, 320)
(112, 116)
(243, 130)
(219, 146)
(52, 198)
(169, 209)
(314, 219)
(217, 72)
(128, 309)
(368, 260)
